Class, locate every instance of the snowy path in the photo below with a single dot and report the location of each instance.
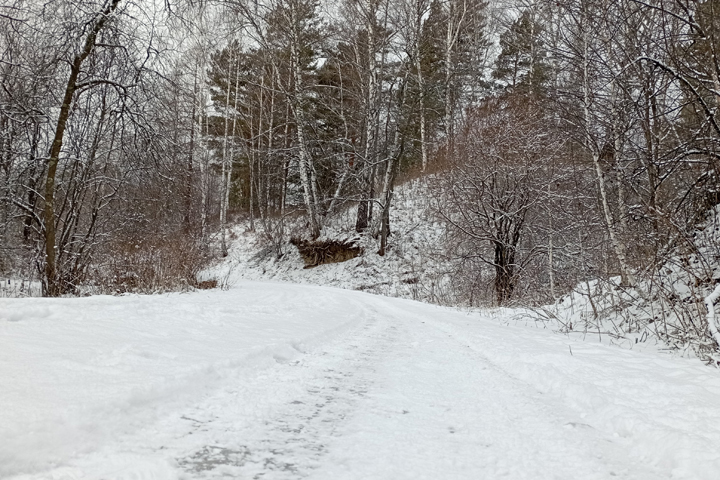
(329, 384)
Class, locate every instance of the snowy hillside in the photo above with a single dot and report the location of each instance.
(665, 310)
(414, 266)
(279, 381)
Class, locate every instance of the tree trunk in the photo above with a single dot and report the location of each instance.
(504, 272)
(306, 169)
(228, 179)
(390, 174)
(455, 20)
(419, 12)
(618, 247)
(34, 177)
(364, 213)
(52, 285)
(205, 173)
(189, 171)
(627, 278)
(225, 184)
(388, 187)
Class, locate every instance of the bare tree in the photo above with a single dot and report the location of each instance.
(495, 189)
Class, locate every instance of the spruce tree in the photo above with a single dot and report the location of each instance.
(521, 64)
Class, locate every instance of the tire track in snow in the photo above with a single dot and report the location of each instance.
(441, 409)
(294, 439)
(396, 390)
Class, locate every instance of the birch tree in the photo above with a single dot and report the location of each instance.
(295, 23)
(369, 44)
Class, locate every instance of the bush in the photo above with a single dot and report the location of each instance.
(151, 265)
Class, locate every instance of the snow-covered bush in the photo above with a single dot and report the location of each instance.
(667, 306)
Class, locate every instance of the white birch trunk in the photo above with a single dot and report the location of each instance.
(251, 161)
(204, 178)
(448, 81)
(228, 178)
(455, 23)
(371, 120)
(618, 246)
(306, 170)
(259, 162)
(225, 169)
(420, 10)
(204, 164)
(551, 269)
(346, 166)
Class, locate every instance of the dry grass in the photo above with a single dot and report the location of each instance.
(151, 266)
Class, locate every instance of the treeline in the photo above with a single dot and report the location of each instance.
(598, 158)
(572, 140)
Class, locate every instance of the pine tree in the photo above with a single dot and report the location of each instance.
(521, 64)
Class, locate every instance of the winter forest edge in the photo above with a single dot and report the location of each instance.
(565, 149)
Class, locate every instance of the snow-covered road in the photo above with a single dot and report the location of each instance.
(278, 381)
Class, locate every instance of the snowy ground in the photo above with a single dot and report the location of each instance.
(14, 287)
(280, 381)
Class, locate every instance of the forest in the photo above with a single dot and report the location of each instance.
(562, 142)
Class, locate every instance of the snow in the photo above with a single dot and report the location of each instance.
(280, 381)
(88, 369)
(414, 266)
(13, 287)
(666, 310)
(710, 304)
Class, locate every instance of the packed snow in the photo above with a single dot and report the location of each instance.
(281, 381)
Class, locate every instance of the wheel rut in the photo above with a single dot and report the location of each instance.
(291, 442)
